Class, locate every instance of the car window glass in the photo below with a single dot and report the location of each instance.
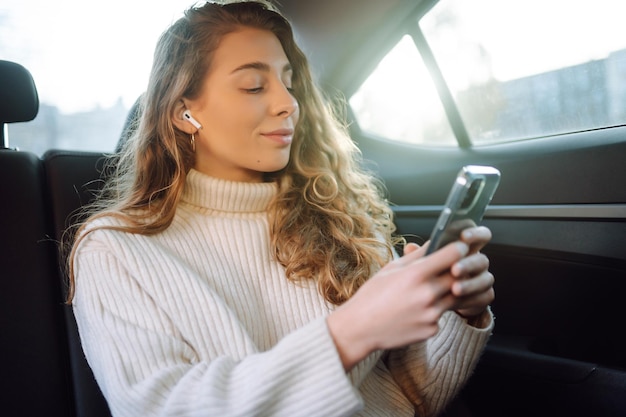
(90, 62)
(521, 70)
(399, 102)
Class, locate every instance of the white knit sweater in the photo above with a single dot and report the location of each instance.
(199, 320)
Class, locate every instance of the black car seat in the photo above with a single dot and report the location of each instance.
(73, 180)
(35, 377)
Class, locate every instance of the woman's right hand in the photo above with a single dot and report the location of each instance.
(399, 305)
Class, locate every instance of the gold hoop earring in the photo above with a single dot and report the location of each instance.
(193, 143)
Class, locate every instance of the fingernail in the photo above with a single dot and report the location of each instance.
(463, 248)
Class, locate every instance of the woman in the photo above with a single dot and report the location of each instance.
(240, 262)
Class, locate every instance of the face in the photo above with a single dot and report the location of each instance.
(246, 109)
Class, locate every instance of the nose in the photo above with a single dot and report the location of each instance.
(284, 103)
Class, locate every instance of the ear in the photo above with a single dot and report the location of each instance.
(180, 122)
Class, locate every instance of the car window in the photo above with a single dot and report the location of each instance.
(398, 100)
(90, 62)
(516, 70)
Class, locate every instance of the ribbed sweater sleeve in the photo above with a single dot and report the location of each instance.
(431, 373)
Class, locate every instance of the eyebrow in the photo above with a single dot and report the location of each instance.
(260, 66)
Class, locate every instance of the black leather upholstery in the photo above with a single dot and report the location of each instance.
(73, 180)
(44, 372)
(19, 101)
(33, 339)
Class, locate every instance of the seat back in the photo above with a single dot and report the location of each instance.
(35, 363)
(35, 368)
(74, 178)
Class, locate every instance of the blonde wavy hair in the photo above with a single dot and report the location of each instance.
(329, 220)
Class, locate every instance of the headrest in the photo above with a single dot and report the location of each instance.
(130, 125)
(19, 101)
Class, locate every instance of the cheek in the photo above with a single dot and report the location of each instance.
(242, 117)
(224, 121)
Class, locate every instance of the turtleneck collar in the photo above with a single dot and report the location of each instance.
(230, 196)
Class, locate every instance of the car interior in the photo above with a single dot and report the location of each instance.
(558, 221)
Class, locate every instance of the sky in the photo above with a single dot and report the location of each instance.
(88, 54)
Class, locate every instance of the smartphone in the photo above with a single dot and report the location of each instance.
(465, 206)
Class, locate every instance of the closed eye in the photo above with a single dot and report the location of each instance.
(254, 90)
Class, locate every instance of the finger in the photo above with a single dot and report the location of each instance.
(476, 237)
(474, 305)
(411, 253)
(477, 233)
(411, 247)
(442, 260)
(476, 285)
(432, 291)
(470, 265)
(446, 302)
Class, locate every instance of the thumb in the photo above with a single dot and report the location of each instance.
(412, 247)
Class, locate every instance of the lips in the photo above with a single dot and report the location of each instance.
(280, 136)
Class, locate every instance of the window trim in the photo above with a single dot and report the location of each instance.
(445, 95)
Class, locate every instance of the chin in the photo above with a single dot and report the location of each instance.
(275, 166)
(274, 171)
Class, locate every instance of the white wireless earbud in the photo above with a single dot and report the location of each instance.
(187, 115)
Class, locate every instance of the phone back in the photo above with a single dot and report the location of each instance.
(465, 206)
